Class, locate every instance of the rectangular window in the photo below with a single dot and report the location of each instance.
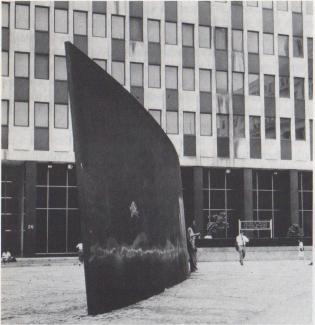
(170, 33)
(254, 127)
(61, 21)
(285, 128)
(61, 116)
(118, 27)
(188, 79)
(154, 76)
(136, 29)
(153, 31)
(297, 47)
(188, 35)
(299, 129)
(205, 36)
(282, 5)
(238, 83)
(205, 124)
(283, 45)
(136, 74)
(4, 112)
(5, 63)
(22, 16)
(171, 74)
(237, 40)
(270, 128)
(205, 80)
(171, 122)
(41, 19)
(189, 123)
(5, 15)
(221, 38)
(310, 88)
(222, 126)
(284, 86)
(268, 44)
(156, 114)
(101, 63)
(221, 82)
(41, 66)
(309, 7)
(21, 113)
(253, 84)
(60, 68)
(21, 65)
(118, 71)
(299, 88)
(99, 25)
(41, 115)
(269, 85)
(238, 126)
(253, 42)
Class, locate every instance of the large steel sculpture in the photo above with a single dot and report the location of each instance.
(130, 195)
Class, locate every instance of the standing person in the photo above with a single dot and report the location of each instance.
(192, 249)
(301, 250)
(241, 241)
(79, 247)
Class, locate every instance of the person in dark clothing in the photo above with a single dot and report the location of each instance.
(192, 249)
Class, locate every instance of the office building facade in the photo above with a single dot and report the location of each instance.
(231, 84)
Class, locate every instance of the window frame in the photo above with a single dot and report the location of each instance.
(28, 113)
(48, 17)
(58, 127)
(86, 22)
(41, 127)
(67, 11)
(105, 25)
(15, 16)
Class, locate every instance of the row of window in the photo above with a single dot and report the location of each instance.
(41, 120)
(41, 114)
(21, 70)
(136, 28)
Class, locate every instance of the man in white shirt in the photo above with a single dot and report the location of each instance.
(241, 241)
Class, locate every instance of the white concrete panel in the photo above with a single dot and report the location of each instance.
(41, 90)
(271, 148)
(309, 108)
(285, 107)
(254, 105)
(308, 24)
(299, 66)
(58, 42)
(22, 40)
(207, 147)
(173, 55)
(80, 5)
(283, 22)
(188, 11)
(7, 87)
(300, 150)
(220, 14)
(269, 64)
(241, 149)
(153, 9)
(252, 18)
(188, 100)
(60, 140)
(137, 51)
(98, 48)
(154, 98)
(21, 138)
(205, 58)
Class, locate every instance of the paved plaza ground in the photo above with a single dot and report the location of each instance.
(260, 292)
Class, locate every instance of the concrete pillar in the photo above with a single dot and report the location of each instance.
(30, 209)
(248, 194)
(294, 197)
(198, 198)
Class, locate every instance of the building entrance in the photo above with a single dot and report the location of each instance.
(57, 214)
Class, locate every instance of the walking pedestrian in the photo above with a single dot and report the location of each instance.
(79, 248)
(241, 241)
(192, 249)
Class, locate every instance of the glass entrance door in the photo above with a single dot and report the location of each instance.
(57, 217)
